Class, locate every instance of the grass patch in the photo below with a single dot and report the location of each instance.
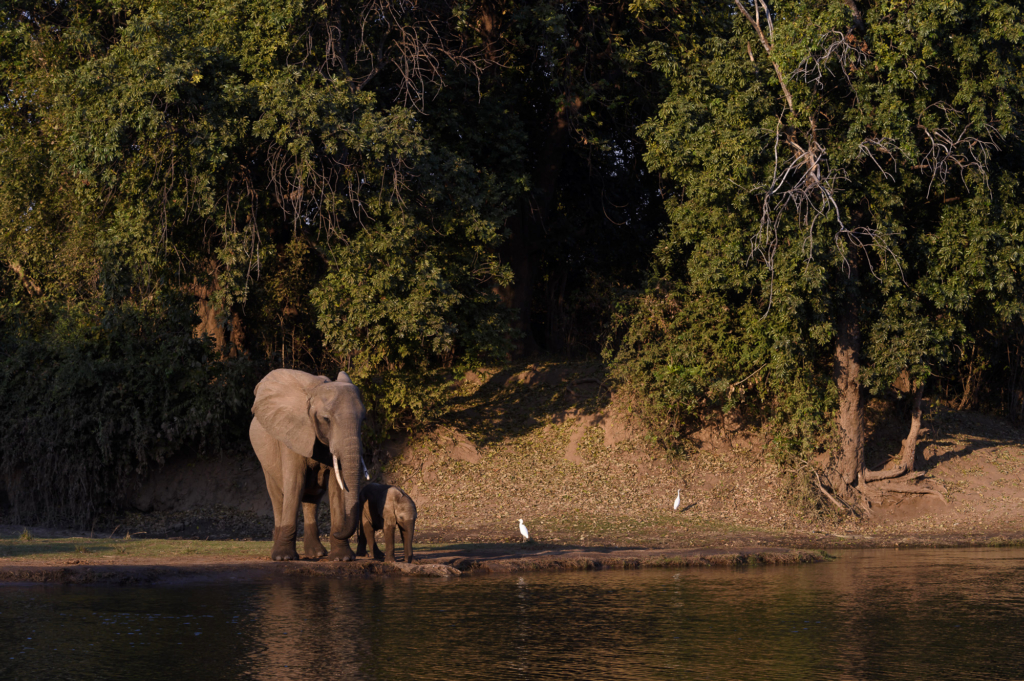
(60, 549)
(1003, 543)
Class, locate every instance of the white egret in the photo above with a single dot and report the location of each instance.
(523, 531)
(675, 506)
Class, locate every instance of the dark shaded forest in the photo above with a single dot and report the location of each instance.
(775, 210)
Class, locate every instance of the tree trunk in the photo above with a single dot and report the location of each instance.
(847, 376)
(908, 452)
(225, 328)
(527, 226)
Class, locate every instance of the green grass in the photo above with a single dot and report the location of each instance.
(78, 547)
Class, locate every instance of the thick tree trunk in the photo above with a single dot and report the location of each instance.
(851, 392)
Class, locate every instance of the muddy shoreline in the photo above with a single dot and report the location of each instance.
(64, 557)
(439, 563)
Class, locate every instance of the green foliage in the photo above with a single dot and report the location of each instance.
(864, 165)
(684, 359)
(85, 409)
(298, 168)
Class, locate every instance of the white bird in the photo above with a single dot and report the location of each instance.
(523, 531)
(675, 506)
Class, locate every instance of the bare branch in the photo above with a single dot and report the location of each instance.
(952, 149)
(756, 25)
(837, 51)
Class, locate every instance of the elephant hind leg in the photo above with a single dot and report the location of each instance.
(311, 545)
(407, 533)
(389, 543)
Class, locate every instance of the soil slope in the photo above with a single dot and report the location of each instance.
(551, 445)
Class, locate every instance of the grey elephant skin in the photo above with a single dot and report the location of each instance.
(386, 507)
(306, 432)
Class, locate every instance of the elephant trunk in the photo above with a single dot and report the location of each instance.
(337, 474)
(350, 480)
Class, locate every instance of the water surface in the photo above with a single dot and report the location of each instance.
(879, 614)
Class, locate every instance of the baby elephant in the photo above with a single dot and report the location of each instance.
(384, 507)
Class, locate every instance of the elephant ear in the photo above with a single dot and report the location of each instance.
(282, 407)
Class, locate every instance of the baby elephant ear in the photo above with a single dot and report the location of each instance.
(282, 407)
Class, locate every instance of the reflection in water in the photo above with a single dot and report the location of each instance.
(955, 614)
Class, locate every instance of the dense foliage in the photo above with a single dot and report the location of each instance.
(87, 414)
(847, 207)
(727, 196)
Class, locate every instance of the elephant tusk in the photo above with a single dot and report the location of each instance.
(366, 471)
(337, 474)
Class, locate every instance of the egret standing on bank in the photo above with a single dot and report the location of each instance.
(523, 531)
(675, 506)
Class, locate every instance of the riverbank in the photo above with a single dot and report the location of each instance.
(551, 444)
(79, 560)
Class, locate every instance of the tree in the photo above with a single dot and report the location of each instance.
(848, 183)
(589, 213)
(293, 166)
(294, 173)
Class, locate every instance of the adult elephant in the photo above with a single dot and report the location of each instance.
(303, 427)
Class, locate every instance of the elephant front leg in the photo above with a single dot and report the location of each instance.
(340, 550)
(284, 543)
(407, 533)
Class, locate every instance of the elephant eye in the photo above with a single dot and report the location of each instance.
(325, 419)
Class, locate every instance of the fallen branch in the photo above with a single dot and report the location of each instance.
(839, 504)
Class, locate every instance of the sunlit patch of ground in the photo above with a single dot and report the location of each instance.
(554, 448)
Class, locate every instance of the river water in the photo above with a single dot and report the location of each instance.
(877, 614)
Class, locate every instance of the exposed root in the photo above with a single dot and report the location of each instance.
(906, 489)
(885, 474)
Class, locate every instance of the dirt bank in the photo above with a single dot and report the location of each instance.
(550, 444)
